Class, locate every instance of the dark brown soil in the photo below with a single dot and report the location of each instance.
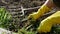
(24, 3)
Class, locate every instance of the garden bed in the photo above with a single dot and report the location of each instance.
(20, 9)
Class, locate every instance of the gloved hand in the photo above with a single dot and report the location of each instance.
(33, 17)
(42, 10)
(46, 24)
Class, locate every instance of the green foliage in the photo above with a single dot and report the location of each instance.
(5, 18)
(55, 29)
(24, 31)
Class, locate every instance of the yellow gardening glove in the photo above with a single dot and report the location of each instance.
(46, 24)
(33, 16)
(42, 10)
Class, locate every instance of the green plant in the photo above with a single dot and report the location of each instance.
(5, 18)
(25, 31)
(55, 29)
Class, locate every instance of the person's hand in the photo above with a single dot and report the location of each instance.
(33, 17)
(46, 24)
